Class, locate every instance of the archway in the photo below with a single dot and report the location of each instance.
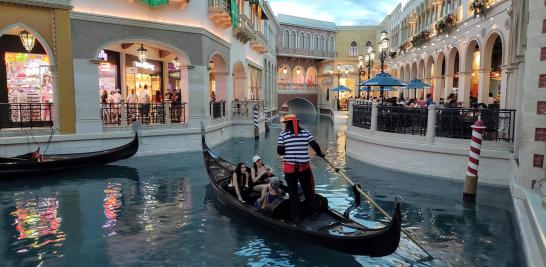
(430, 78)
(413, 71)
(494, 88)
(27, 83)
(240, 83)
(284, 74)
(298, 74)
(218, 71)
(470, 88)
(300, 106)
(439, 73)
(311, 75)
(145, 75)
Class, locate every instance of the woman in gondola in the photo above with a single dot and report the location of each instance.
(260, 174)
(240, 182)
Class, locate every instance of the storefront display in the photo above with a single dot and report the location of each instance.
(143, 77)
(28, 78)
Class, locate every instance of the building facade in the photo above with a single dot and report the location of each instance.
(167, 67)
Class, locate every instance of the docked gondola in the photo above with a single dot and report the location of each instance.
(332, 229)
(28, 165)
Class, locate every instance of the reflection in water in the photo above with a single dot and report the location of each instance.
(38, 225)
(112, 205)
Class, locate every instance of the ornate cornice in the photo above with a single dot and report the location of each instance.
(60, 4)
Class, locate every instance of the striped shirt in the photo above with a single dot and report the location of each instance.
(296, 147)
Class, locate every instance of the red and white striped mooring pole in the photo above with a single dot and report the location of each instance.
(471, 180)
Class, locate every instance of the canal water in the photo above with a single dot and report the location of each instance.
(158, 211)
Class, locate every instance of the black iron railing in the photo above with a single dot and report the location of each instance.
(362, 116)
(402, 120)
(146, 113)
(217, 109)
(457, 122)
(26, 115)
(178, 112)
(111, 114)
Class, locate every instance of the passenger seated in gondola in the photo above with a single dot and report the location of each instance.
(271, 192)
(260, 174)
(240, 182)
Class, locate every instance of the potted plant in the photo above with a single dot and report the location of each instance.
(478, 7)
(445, 23)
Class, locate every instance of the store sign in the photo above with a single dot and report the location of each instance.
(144, 65)
(175, 75)
(105, 67)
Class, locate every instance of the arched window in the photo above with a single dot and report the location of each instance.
(316, 42)
(285, 35)
(322, 43)
(353, 50)
(293, 39)
(300, 40)
(307, 44)
(331, 42)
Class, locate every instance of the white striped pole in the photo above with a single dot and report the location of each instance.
(471, 180)
(256, 123)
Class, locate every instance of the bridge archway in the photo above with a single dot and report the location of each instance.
(299, 105)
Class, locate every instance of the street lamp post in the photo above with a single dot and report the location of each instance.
(383, 46)
(369, 57)
(338, 74)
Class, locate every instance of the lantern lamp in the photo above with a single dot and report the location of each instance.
(142, 54)
(176, 63)
(28, 40)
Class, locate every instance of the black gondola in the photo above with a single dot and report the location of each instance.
(25, 165)
(331, 229)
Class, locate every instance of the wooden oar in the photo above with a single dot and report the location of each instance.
(370, 199)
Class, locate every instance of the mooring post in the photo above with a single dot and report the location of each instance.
(471, 180)
(256, 123)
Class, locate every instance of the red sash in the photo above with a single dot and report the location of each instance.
(296, 167)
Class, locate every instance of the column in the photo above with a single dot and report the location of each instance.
(465, 79)
(504, 86)
(165, 81)
(448, 85)
(54, 113)
(122, 84)
(123, 113)
(438, 89)
(431, 124)
(198, 98)
(86, 88)
(167, 105)
(483, 88)
(375, 113)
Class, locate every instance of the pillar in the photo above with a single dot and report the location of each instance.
(123, 84)
(198, 98)
(431, 124)
(438, 89)
(483, 87)
(504, 86)
(55, 85)
(375, 113)
(448, 85)
(465, 78)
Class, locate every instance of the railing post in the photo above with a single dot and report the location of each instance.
(123, 115)
(431, 124)
(375, 113)
(167, 112)
(350, 120)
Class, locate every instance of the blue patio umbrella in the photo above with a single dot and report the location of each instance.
(341, 88)
(417, 84)
(382, 80)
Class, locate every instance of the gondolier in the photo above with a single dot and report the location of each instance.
(293, 144)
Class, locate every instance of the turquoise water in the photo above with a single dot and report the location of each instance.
(157, 211)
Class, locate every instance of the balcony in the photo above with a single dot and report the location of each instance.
(124, 114)
(297, 88)
(243, 110)
(219, 13)
(259, 45)
(285, 51)
(245, 30)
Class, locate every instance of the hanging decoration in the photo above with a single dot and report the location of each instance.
(478, 7)
(234, 14)
(445, 24)
(420, 39)
(142, 54)
(155, 3)
(28, 40)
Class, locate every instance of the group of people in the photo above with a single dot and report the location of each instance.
(112, 111)
(292, 145)
(449, 102)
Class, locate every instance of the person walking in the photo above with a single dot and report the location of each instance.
(292, 145)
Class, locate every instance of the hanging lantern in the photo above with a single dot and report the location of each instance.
(28, 40)
(176, 63)
(142, 54)
(298, 71)
(285, 70)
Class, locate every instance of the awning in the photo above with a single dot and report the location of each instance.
(234, 14)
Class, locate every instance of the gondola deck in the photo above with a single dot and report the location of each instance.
(331, 229)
